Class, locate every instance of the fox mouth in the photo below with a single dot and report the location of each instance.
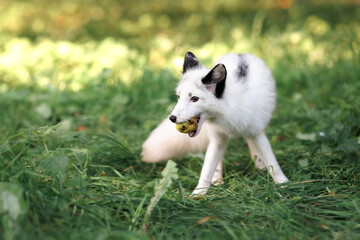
(191, 126)
(194, 121)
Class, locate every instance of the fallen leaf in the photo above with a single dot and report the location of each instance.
(44, 110)
(324, 226)
(280, 138)
(103, 120)
(303, 163)
(204, 219)
(306, 136)
(81, 128)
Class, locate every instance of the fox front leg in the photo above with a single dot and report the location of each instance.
(214, 154)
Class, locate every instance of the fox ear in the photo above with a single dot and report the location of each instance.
(215, 80)
(190, 62)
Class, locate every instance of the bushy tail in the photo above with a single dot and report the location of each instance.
(165, 142)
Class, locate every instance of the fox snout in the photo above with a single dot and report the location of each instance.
(173, 118)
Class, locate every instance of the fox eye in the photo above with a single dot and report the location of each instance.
(194, 99)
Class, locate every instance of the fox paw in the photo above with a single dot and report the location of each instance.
(198, 192)
(260, 164)
(217, 182)
(280, 179)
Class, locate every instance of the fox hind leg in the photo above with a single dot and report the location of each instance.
(261, 143)
(254, 152)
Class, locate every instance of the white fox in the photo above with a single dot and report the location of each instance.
(234, 99)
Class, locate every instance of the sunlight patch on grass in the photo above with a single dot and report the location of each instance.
(65, 64)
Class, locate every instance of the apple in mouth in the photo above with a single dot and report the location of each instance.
(190, 126)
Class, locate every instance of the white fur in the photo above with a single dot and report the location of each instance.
(243, 110)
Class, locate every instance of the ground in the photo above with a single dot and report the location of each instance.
(82, 85)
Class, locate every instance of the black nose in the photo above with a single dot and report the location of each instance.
(172, 118)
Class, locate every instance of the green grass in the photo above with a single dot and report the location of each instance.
(76, 105)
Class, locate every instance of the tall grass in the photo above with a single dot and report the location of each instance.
(72, 127)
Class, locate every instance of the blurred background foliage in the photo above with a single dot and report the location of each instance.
(77, 40)
(118, 56)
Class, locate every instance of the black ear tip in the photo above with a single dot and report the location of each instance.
(190, 62)
(220, 65)
(189, 54)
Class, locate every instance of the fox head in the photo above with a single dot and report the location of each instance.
(198, 92)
